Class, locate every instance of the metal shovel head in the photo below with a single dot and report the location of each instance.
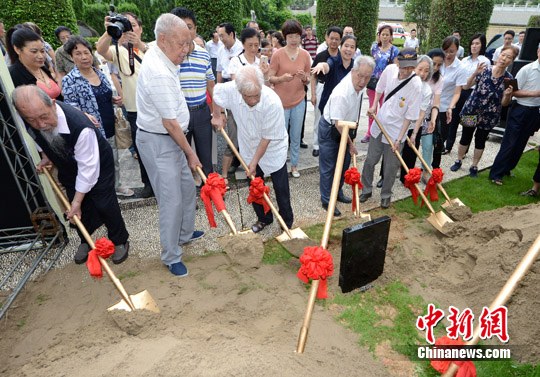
(453, 202)
(439, 220)
(297, 243)
(142, 301)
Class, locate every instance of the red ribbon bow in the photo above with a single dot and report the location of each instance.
(411, 179)
(213, 191)
(431, 187)
(316, 264)
(104, 248)
(257, 189)
(466, 368)
(352, 177)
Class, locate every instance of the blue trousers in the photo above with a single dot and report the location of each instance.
(521, 124)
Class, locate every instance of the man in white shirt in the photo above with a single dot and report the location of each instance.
(163, 119)
(412, 41)
(508, 38)
(262, 137)
(399, 109)
(344, 104)
(461, 50)
(70, 141)
(213, 46)
(231, 47)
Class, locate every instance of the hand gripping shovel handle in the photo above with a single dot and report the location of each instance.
(224, 213)
(504, 295)
(398, 155)
(88, 239)
(266, 198)
(426, 166)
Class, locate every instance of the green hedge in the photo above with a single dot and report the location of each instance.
(47, 14)
(362, 15)
(304, 18)
(469, 17)
(534, 21)
(94, 14)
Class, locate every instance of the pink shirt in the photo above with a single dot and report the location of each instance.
(53, 92)
(291, 93)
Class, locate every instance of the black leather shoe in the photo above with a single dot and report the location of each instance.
(315, 153)
(337, 212)
(385, 202)
(258, 226)
(303, 145)
(82, 253)
(380, 183)
(344, 199)
(120, 253)
(147, 192)
(364, 197)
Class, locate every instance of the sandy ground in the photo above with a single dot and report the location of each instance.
(229, 319)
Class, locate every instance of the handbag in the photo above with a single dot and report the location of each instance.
(122, 130)
(469, 120)
(372, 84)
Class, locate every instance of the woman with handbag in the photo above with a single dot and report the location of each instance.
(482, 109)
(384, 53)
(87, 88)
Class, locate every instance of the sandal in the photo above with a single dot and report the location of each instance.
(532, 193)
(258, 226)
(497, 181)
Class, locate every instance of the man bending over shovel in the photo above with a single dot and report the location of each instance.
(69, 140)
(262, 139)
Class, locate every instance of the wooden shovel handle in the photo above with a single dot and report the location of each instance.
(356, 192)
(506, 292)
(224, 213)
(427, 167)
(89, 240)
(266, 198)
(398, 155)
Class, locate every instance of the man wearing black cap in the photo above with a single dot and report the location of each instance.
(401, 107)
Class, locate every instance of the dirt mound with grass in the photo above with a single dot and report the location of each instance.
(468, 268)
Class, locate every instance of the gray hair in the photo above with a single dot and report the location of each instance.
(249, 78)
(166, 23)
(364, 60)
(425, 58)
(25, 92)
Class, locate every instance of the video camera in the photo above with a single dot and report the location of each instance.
(120, 24)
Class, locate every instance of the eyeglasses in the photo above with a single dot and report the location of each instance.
(293, 36)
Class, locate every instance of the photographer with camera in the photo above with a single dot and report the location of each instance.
(121, 44)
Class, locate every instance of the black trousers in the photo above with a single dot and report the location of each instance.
(132, 119)
(280, 180)
(100, 207)
(449, 129)
(408, 155)
(200, 129)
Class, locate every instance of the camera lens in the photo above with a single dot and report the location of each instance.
(115, 30)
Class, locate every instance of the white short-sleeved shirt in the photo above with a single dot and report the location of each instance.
(213, 48)
(159, 95)
(225, 56)
(454, 75)
(265, 120)
(412, 43)
(470, 64)
(240, 61)
(405, 104)
(344, 102)
(528, 78)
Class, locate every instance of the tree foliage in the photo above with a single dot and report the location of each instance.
(47, 14)
(305, 19)
(418, 11)
(534, 21)
(362, 15)
(212, 13)
(467, 16)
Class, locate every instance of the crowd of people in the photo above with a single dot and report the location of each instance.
(179, 90)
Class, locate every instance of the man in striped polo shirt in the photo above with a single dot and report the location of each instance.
(196, 78)
(309, 42)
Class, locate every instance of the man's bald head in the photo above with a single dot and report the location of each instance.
(35, 106)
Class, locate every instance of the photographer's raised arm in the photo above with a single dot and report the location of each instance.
(104, 42)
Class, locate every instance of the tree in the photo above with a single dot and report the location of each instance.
(362, 15)
(467, 16)
(418, 11)
(47, 14)
(212, 13)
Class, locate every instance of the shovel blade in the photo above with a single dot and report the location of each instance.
(142, 301)
(295, 245)
(439, 220)
(453, 202)
(296, 233)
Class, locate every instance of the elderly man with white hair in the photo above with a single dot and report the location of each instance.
(163, 119)
(262, 136)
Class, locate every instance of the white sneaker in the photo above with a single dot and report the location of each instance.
(295, 173)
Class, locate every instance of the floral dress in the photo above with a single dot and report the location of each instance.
(382, 58)
(486, 99)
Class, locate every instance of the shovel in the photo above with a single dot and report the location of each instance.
(141, 300)
(356, 192)
(504, 295)
(294, 240)
(302, 337)
(437, 219)
(449, 202)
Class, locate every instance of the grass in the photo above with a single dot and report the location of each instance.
(480, 194)
(128, 274)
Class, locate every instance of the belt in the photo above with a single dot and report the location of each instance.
(159, 133)
(197, 107)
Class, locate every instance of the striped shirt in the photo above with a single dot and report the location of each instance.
(195, 71)
(310, 45)
(159, 95)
